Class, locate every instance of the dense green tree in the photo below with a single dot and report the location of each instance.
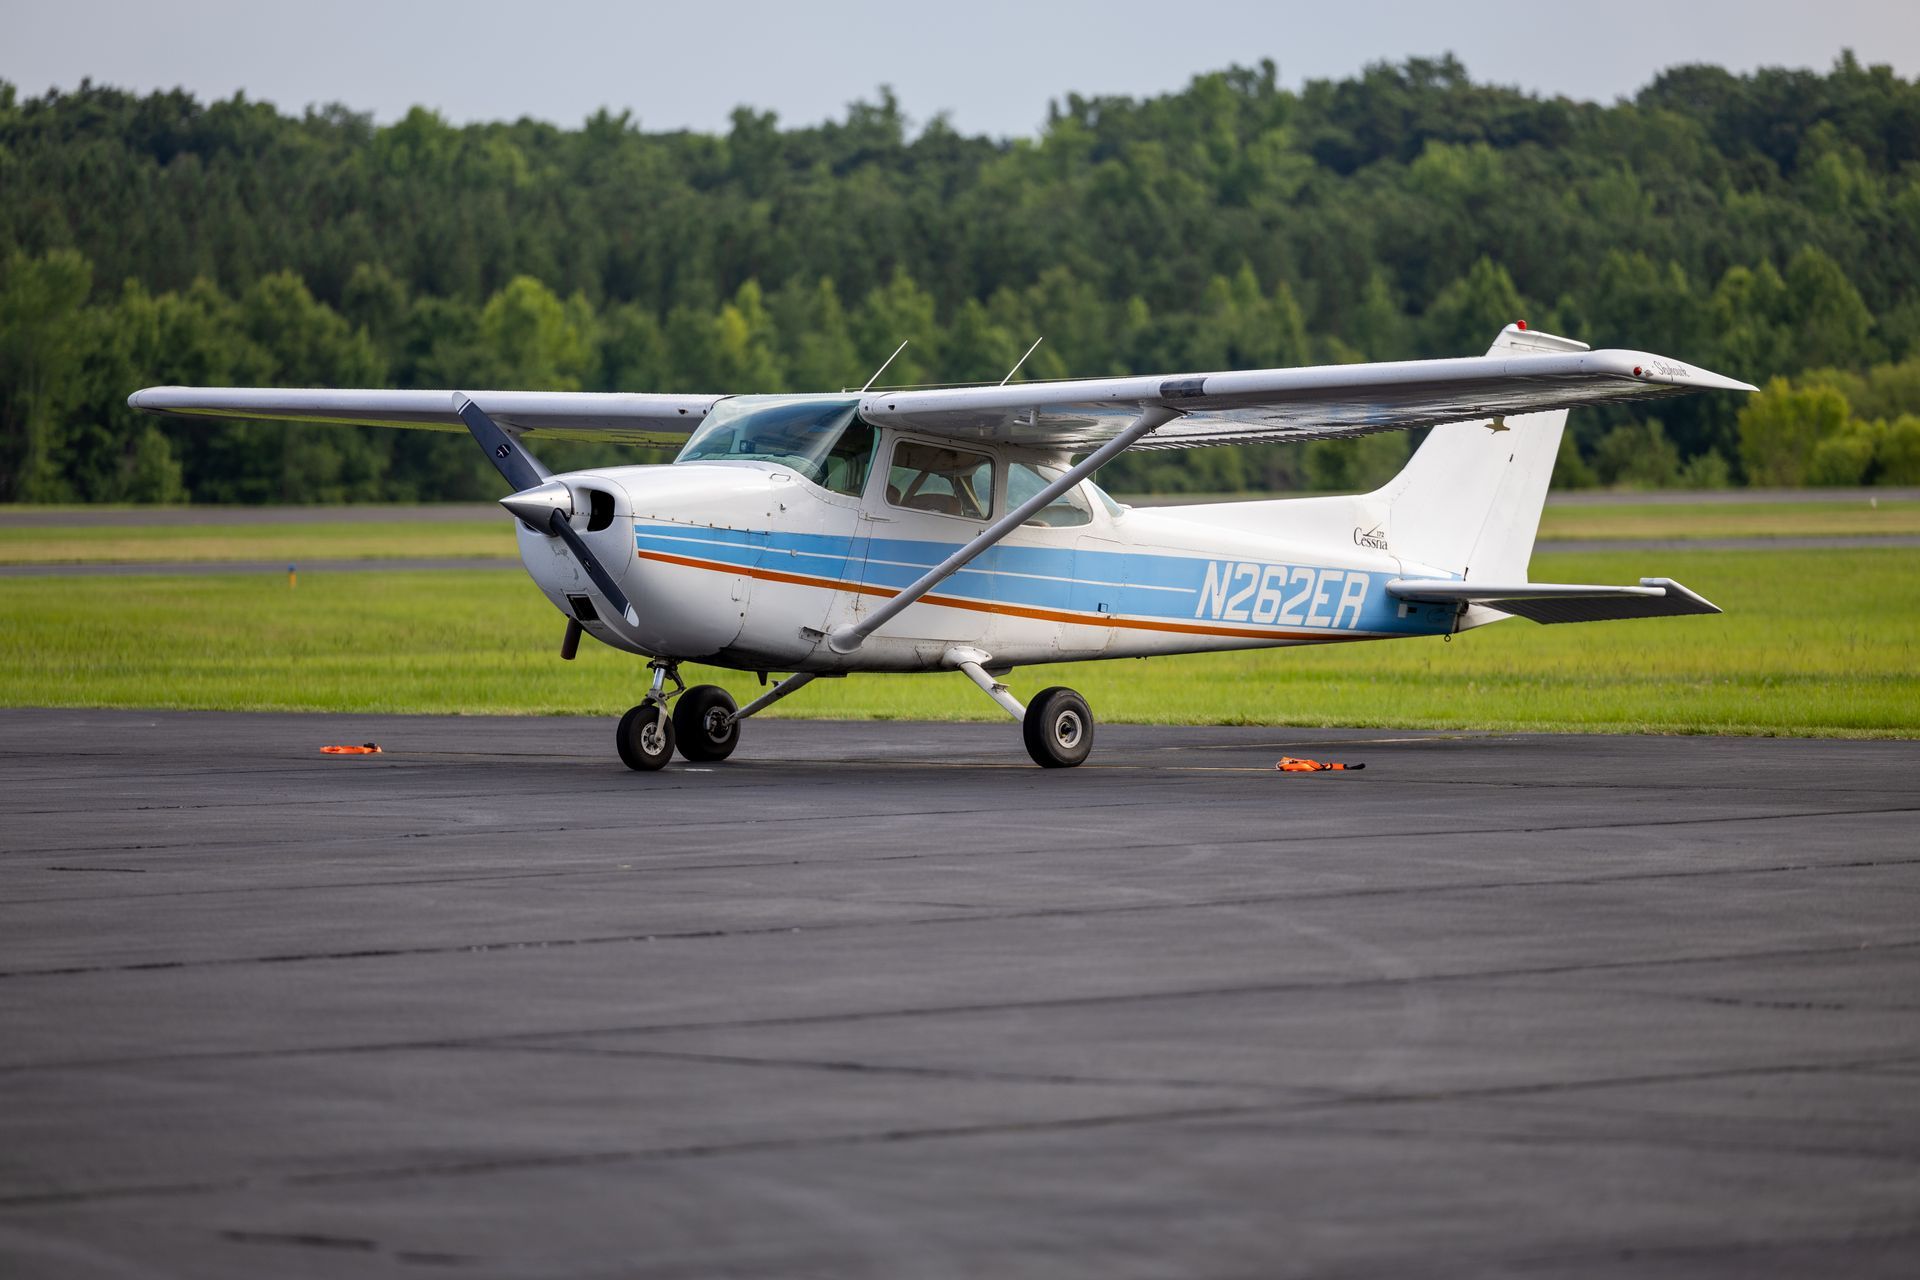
(45, 333)
(1761, 224)
(1782, 426)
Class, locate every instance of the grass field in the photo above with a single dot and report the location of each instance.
(1812, 643)
(204, 543)
(385, 540)
(1811, 519)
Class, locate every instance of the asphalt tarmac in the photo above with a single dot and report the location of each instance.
(887, 1001)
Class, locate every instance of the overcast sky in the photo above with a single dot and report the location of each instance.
(992, 65)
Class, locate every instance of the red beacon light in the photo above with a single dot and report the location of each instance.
(1520, 324)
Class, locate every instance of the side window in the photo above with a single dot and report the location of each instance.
(845, 468)
(1069, 509)
(952, 482)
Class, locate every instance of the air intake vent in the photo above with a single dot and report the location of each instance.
(583, 608)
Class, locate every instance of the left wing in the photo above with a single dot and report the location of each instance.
(540, 415)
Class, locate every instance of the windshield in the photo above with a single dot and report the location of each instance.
(817, 436)
(1024, 479)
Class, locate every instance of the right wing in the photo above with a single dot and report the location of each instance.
(1525, 372)
(539, 415)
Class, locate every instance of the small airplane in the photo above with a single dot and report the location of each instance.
(953, 529)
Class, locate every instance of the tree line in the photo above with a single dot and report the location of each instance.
(1763, 225)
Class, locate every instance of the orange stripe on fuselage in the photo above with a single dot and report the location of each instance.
(994, 606)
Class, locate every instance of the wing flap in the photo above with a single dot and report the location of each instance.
(1553, 602)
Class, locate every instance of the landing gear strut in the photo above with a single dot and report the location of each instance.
(645, 735)
(1057, 725)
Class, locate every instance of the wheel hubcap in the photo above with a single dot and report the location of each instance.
(1066, 729)
(716, 725)
(652, 741)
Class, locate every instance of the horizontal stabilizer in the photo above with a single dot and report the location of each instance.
(1559, 601)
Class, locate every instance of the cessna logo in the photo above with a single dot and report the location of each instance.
(1376, 538)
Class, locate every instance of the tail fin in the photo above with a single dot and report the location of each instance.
(1469, 500)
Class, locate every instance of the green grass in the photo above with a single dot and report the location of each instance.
(137, 544)
(1810, 519)
(1812, 643)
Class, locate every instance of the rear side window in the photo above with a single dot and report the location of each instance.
(949, 482)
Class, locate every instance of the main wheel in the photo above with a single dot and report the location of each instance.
(1058, 728)
(645, 737)
(701, 726)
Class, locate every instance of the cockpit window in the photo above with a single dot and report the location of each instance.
(952, 482)
(820, 437)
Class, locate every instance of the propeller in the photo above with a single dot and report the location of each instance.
(543, 502)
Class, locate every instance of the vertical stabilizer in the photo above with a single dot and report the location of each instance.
(1469, 500)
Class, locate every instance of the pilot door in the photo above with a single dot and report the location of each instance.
(927, 502)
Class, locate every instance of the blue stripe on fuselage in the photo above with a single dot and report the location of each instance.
(1147, 585)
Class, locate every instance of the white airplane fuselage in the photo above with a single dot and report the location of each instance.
(749, 565)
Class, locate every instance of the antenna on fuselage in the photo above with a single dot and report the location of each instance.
(884, 363)
(1022, 360)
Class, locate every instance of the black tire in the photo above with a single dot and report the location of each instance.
(698, 725)
(1058, 728)
(645, 738)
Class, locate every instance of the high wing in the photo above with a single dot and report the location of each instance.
(540, 415)
(1526, 372)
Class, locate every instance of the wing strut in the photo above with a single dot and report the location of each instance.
(850, 636)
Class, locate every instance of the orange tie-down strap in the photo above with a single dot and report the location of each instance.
(364, 749)
(1297, 764)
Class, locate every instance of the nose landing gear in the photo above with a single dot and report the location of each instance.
(645, 736)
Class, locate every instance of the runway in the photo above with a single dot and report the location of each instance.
(883, 1000)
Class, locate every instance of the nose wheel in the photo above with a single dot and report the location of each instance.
(645, 736)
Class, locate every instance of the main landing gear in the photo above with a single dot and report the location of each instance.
(1058, 728)
(704, 724)
(1057, 725)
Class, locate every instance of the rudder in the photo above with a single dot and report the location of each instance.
(1468, 502)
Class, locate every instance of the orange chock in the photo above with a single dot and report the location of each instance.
(364, 749)
(1299, 764)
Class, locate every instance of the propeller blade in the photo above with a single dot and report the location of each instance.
(521, 469)
(538, 499)
(560, 527)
